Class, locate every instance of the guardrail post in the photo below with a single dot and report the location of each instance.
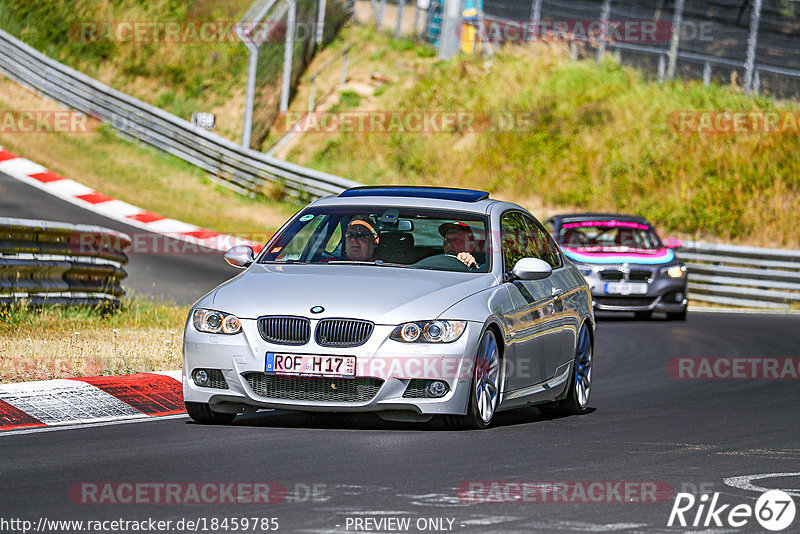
(252, 67)
(677, 20)
(398, 29)
(707, 73)
(448, 36)
(321, 21)
(752, 40)
(757, 83)
(344, 66)
(417, 10)
(605, 12)
(287, 56)
(536, 14)
(573, 50)
(661, 68)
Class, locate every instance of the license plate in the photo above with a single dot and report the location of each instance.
(310, 364)
(617, 288)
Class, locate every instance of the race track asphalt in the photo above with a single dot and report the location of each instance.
(644, 426)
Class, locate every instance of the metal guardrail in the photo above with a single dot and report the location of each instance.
(244, 170)
(44, 262)
(742, 276)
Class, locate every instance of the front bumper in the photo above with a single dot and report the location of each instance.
(387, 372)
(663, 294)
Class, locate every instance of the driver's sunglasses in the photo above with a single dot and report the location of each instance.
(357, 235)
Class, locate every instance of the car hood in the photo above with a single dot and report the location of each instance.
(384, 295)
(649, 257)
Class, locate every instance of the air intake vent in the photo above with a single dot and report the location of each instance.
(343, 332)
(313, 389)
(285, 330)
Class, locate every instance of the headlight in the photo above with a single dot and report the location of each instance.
(585, 271)
(676, 271)
(429, 331)
(215, 322)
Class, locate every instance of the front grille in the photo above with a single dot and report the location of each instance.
(610, 274)
(312, 388)
(637, 275)
(624, 301)
(640, 275)
(285, 330)
(343, 332)
(216, 380)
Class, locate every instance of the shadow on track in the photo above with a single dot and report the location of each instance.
(369, 421)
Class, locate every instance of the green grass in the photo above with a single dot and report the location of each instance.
(63, 341)
(597, 138)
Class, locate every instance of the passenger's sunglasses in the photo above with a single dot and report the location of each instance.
(357, 235)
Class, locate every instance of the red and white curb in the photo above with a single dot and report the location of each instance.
(59, 402)
(76, 193)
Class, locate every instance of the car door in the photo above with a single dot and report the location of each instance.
(562, 282)
(534, 322)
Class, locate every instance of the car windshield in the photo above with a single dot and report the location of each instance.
(608, 236)
(386, 236)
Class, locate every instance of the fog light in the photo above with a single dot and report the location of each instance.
(200, 377)
(436, 389)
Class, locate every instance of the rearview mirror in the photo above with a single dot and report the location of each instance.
(531, 269)
(673, 242)
(240, 256)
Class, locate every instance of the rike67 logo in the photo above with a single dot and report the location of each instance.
(774, 510)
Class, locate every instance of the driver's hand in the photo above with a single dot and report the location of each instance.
(468, 260)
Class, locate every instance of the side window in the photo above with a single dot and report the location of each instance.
(542, 244)
(516, 244)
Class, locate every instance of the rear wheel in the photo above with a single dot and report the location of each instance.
(580, 384)
(485, 389)
(202, 413)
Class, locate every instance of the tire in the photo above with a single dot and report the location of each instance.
(677, 316)
(202, 413)
(580, 382)
(643, 315)
(484, 388)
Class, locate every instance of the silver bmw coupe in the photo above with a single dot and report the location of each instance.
(411, 302)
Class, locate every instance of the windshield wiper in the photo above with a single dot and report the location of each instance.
(379, 263)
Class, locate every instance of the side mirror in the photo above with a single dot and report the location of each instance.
(531, 269)
(240, 256)
(673, 242)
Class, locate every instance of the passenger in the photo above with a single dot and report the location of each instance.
(460, 242)
(361, 239)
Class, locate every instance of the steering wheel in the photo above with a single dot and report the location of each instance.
(443, 262)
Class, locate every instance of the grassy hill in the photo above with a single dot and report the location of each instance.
(180, 77)
(597, 137)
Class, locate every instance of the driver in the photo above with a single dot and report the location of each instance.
(361, 239)
(460, 242)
